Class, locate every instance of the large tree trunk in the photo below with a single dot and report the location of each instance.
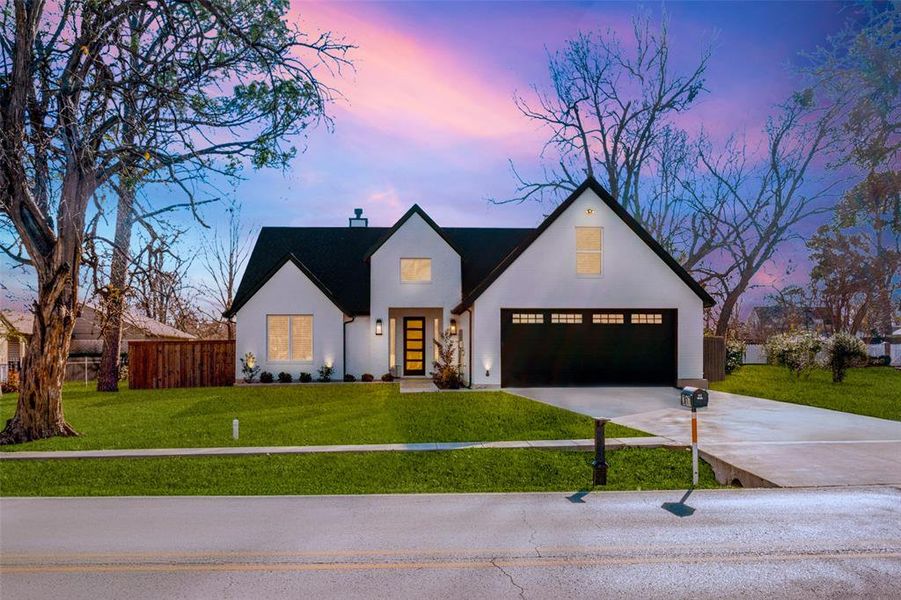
(114, 296)
(39, 412)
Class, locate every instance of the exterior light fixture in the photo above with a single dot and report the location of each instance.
(453, 326)
(378, 327)
(487, 373)
(589, 211)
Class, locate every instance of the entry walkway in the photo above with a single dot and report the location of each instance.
(612, 444)
(788, 445)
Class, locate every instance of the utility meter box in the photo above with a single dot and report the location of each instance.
(692, 397)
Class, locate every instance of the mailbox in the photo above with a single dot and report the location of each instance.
(693, 397)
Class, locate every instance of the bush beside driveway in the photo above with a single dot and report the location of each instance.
(872, 391)
(303, 414)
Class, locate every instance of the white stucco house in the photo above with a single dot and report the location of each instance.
(586, 298)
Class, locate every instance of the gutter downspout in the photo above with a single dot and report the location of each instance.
(469, 310)
(344, 347)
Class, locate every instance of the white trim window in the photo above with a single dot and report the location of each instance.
(289, 338)
(416, 270)
(588, 251)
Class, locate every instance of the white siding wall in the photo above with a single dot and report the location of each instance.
(290, 292)
(415, 239)
(544, 277)
(358, 337)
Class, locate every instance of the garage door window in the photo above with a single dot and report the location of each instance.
(528, 318)
(607, 319)
(569, 318)
(647, 319)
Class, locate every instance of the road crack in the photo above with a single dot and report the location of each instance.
(522, 592)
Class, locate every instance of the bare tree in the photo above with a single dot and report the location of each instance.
(768, 195)
(223, 259)
(64, 122)
(609, 115)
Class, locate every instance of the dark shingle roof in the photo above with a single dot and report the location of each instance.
(335, 256)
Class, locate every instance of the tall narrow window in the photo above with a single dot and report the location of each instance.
(588, 250)
(289, 338)
(392, 343)
(415, 270)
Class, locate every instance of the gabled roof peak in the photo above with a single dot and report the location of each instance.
(414, 210)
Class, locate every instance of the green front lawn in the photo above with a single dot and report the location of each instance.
(874, 391)
(476, 470)
(302, 414)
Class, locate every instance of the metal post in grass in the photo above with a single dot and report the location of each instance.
(600, 460)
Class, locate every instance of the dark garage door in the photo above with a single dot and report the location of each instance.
(558, 347)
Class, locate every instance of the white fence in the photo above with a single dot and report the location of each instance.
(4, 372)
(755, 354)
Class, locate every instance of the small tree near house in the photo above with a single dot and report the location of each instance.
(843, 351)
(448, 369)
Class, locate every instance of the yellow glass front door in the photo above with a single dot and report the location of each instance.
(414, 346)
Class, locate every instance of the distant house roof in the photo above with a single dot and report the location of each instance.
(777, 314)
(336, 258)
(22, 321)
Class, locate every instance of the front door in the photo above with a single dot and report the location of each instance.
(414, 346)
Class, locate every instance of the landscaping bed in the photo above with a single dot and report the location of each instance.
(302, 414)
(871, 391)
(477, 470)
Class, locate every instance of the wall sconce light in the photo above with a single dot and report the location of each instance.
(453, 327)
(378, 327)
(487, 373)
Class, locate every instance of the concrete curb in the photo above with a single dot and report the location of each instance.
(582, 445)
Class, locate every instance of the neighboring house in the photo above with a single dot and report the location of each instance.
(766, 321)
(588, 297)
(16, 326)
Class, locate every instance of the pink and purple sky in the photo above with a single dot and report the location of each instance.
(427, 114)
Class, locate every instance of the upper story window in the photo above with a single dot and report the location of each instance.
(415, 270)
(588, 250)
(289, 337)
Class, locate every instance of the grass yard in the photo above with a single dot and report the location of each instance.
(873, 391)
(302, 414)
(476, 470)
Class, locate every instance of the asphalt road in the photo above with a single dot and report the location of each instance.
(841, 543)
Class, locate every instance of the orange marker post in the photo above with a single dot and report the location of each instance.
(694, 446)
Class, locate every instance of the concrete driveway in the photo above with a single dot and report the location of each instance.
(788, 445)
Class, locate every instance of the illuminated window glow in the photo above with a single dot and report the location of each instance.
(647, 319)
(568, 318)
(415, 270)
(289, 338)
(608, 319)
(528, 318)
(588, 250)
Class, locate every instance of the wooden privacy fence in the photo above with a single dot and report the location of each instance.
(178, 363)
(714, 358)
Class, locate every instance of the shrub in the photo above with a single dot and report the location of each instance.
(388, 377)
(448, 374)
(367, 378)
(306, 378)
(123, 372)
(843, 351)
(285, 377)
(735, 355)
(349, 378)
(249, 367)
(879, 361)
(795, 351)
(266, 377)
(325, 373)
(11, 385)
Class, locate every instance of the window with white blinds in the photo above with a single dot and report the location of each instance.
(415, 270)
(588, 250)
(289, 337)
